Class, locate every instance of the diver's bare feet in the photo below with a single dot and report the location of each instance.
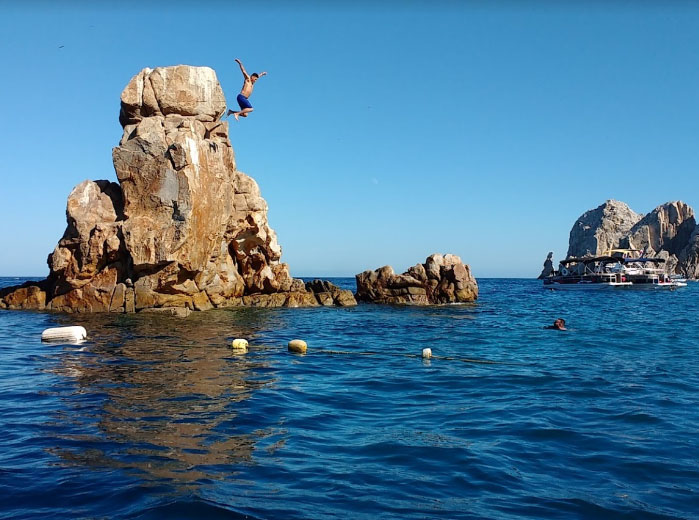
(235, 114)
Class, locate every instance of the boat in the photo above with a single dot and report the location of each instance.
(589, 272)
(616, 268)
(646, 273)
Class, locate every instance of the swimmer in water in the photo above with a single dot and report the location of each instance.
(559, 324)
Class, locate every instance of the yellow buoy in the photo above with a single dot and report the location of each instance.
(298, 346)
(240, 345)
(426, 353)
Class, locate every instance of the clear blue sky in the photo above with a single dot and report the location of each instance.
(382, 133)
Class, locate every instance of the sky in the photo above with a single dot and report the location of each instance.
(384, 132)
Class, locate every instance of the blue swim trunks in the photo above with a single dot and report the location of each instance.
(243, 102)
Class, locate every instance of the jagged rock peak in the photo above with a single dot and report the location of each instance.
(441, 279)
(668, 227)
(600, 229)
(182, 90)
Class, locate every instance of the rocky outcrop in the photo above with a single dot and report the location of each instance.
(666, 229)
(601, 228)
(670, 231)
(183, 229)
(548, 267)
(441, 279)
(329, 294)
(688, 260)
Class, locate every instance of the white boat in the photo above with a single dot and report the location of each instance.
(587, 273)
(617, 268)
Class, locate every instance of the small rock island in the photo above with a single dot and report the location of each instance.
(183, 229)
(441, 279)
(669, 232)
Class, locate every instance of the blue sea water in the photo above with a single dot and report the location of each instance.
(156, 417)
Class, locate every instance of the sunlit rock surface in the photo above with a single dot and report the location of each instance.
(441, 279)
(183, 228)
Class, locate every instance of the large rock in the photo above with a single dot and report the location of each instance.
(182, 229)
(666, 228)
(600, 229)
(670, 232)
(441, 279)
(182, 90)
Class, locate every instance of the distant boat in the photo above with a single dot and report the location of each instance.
(590, 272)
(618, 268)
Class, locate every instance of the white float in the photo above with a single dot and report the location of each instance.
(240, 345)
(298, 346)
(426, 353)
(74, 333)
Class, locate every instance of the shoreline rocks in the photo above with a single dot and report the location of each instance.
(182, 229)
(441, 279)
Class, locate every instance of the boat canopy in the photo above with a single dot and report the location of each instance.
(608, 259)
(590, 259)
(653, 260)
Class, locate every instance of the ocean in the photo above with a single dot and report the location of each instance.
(156, 417)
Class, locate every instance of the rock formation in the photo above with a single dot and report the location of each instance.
(441, 279)
(669, 231)
(548, 266)
(601, 228)
(182, 229)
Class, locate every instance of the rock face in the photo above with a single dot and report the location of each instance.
(182, 229)
(664, 231)
(601, 228)
(669, 231)
(441, 279)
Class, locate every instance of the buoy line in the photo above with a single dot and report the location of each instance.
(444, 358)
(298, 346)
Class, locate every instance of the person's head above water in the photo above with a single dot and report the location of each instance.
(559, 324)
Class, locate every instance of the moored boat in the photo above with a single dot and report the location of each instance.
(618, 268)
(592, 272)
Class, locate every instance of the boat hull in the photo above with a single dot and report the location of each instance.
(586, 286)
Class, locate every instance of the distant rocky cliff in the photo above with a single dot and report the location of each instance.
(669, 231)
(182, 229)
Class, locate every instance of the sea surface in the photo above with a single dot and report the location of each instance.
(156, 417)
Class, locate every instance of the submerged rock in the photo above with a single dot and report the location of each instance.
(183, 229)
(441, 279)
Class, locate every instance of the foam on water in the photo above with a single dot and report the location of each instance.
(157, 417)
